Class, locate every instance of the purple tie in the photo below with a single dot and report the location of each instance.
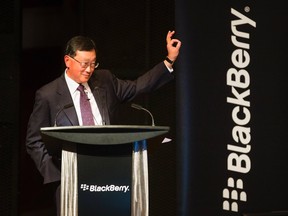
(85, 107)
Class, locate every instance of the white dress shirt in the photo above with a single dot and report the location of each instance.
(75, 94)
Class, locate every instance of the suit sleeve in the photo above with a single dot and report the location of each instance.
(35, 147)
(153, 79)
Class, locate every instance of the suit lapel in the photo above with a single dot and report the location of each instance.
(64, 98)
(100, 96)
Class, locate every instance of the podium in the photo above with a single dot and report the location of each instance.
(104, 169)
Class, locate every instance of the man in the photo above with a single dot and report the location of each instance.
(57, 103)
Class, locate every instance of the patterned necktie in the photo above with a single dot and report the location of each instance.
(85, 107)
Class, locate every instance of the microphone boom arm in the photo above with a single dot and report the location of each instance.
(136, 106)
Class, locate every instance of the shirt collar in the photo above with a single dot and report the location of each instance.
(72, 85)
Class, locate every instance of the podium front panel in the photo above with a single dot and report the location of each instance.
(104, 180)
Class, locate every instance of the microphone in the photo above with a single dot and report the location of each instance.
(86, 92)
(136, 106)
(64, 107)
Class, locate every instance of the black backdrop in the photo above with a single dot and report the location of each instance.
(130, 38)
(256, 179)
(9, 105)
(190, 175)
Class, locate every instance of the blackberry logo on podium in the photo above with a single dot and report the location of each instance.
(84, 187)
(233, 194)
(105, 188)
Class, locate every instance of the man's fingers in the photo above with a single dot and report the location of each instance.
(175, 43)
(169, 36)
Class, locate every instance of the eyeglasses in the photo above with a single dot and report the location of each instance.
(86, 64)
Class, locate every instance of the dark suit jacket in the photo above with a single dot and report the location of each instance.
(108, 92)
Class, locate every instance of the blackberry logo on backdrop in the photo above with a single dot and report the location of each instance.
(105, 188)
(234, 193)
(238, 80)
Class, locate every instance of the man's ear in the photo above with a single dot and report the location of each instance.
(67, 61)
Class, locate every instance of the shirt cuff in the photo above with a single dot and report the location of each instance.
(169, 69)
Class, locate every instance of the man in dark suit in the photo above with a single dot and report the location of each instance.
(57, 103)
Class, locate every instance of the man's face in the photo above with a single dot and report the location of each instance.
(81, 66)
